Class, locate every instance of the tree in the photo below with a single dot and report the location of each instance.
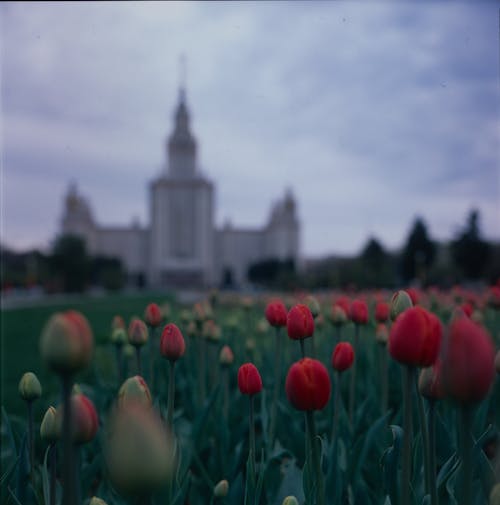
(70, 263)
(377, 270)
(419, 252)
(272, 272)
(469, 251)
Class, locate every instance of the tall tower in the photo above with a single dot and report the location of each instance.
(182, 247)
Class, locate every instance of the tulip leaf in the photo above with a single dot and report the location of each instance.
(390, 465)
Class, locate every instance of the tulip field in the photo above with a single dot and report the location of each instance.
(376, 397)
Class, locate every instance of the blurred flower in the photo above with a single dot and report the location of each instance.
(276, 313)
(338, 315)
(84, 420)
(494, 297)
(495, 495)
(414, 295)
(249, 380)
(97, 501)
(308, 385)
(134, 390)
(382, 333)
(382, 312)
(30, 388)
(49, 429)
(468, 361)
(67, 342)
(342, 356)
(400, 302)
(312, 303)
(290, 500)
(415, 337)
(300, 322)
(118, 336)
(153, 315)
(344, 303)
(221, 489)
(430, 383)
(165, 311)
(250, 344)
(192, 330)
(262, 326)
(497, 362)
(226, 356)
(186, 317)
(172, 345)
(137, 332)
(358, 312)
(117, 323)
(211, 331)
(467, 309)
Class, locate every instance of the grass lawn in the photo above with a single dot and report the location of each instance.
(21, 329)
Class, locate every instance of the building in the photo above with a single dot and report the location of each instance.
(182, 246)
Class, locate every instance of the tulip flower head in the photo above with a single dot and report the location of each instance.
(382, 311)
(300, 322)
(358, 312)
(226, 356)
(276, 313)
(342, 356)
(137, 332)
(400, 302)
(308, 385)
(49, 429)
(134, 390)
(85, 422)
(249, 380)
(338, 315)
(172, 345)
(430, 383)
(30, 388)
(153, 315)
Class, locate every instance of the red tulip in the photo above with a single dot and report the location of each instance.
(276, 313)
(414, 295)
(249, 380)
(343, 356)
(308, 385)
(153, 315)
(300, 322)
(359, 312)
(137, 332)
(172, 345)
(468, 361)
(85, 422)
(415, 337)
(382, 310)
(430, 382)
(467, 309)
(344, 303)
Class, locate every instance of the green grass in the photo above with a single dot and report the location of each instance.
(21, 329)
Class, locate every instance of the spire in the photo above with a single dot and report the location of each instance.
(182, 78)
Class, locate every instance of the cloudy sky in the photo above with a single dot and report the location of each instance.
(373, 113)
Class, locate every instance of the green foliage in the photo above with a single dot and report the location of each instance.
(419, 252)
(273, 273)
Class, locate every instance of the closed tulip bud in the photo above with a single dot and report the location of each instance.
(211, 331)
(49, 429)
(67, 342)
(300, 322)
(497, 362)
(249, 380)
(152, 315)
(117, 323)
(358, 312)
(467, 309)
(207, 308)
(198, 313)
(119, 336)
(415, 337)
(165, 311)
(247, 303)
(429, 382)
(342, 356)
(172, 345)
(221, 489)
(344, 303)
(134, 390)
(262, 326)
(76, 389)
(495, 495)
(139, 453)
(382, 312)
(137, 332)
(191, 329)
(85, 422)
(97, 501)
(30, 388)
(400, 302)
(382, 334)
(338, 315)
(186, 317)
(290, 500)
(308, 385)
(319, 321)
(414, 296)
(313, 305)
(468, 361)
(276, 313)
(226, 356)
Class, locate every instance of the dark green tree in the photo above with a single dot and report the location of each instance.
(70, 263)
(376, 265)
(418, 253)
(469, 251)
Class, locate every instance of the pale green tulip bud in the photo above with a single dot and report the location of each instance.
(29, 387)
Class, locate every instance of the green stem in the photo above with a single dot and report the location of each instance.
(408, 374)
(78, 483)
(138, 358)
(119, 363)
(52, 463)
(302, 351)
(277, 377)
(384, 378)
(225, 380)
(68, 478)
(151, 357)
(336, 408)
(202, 344)
(31, 444)
(425, 437)
(465, 445)
(252, 436)
(171, 395)
(313, 444)
(337, 333)
(352, 392)
(431, 420)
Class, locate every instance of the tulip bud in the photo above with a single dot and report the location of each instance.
(186, 317)
(152, 315)
(344, 303)
(137, 332)
(29, 387)
(49, 429)
(382, 310)
(226, 356)
(165, 311)
(495, 495)
(67, 342)
(134, 390)
(300, 322)
(118, 323)
(290, 500)
(429, 382)
(172, 344)
(497, 362)
(319, 321)
(262, 327)
(414, 295)
(276, 313)
(198, 313)
(249, 380)
(312, 303)
(97, 501)
(382, 334)
(400, 302)
(338, 315)
(76, 389)
(221, 489)
(247, 303)
(358, 312)
(118, 336)
(308, 385)
(85, 422)
(191, 329)
(343, 356)
(211, 331)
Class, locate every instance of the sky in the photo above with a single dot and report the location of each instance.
(373, 113)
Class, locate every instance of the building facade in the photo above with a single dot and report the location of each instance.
(182, 246)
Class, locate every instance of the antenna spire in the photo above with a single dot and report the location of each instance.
(182, 76)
